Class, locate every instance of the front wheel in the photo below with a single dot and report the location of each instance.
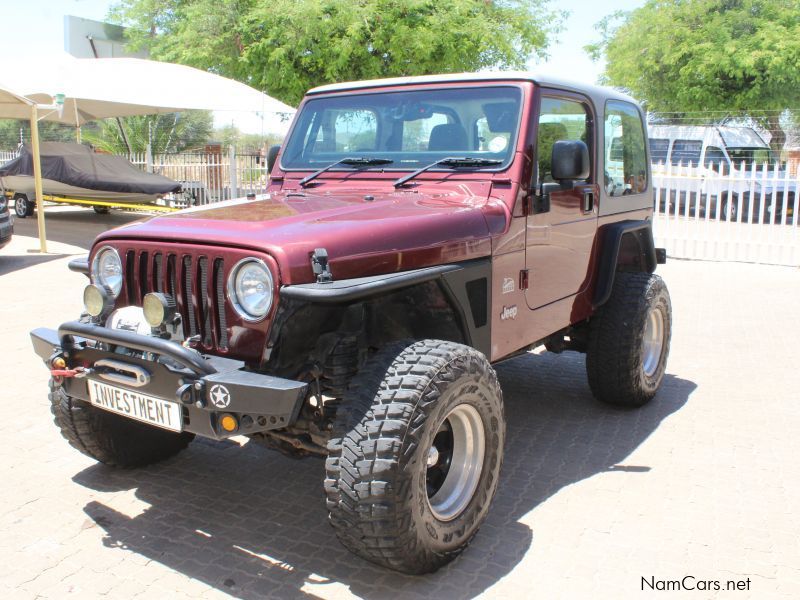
(629, 341)
(415, 456)
(112, 439)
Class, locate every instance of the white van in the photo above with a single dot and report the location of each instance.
(711, 164)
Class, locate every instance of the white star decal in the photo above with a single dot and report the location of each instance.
(220, 396)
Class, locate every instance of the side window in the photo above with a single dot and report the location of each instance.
(659, 148)
(686, 152)
(714, 158)
(559, 119)
(625, 151)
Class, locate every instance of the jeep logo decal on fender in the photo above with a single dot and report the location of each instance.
(220, 396)
(509, 312)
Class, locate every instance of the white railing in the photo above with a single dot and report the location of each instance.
(7, 156)
(718, 213)
(209, 177)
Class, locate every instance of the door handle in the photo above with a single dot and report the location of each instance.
(588, 201)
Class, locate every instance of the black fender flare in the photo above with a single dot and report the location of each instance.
(466, 285)
(612, 238)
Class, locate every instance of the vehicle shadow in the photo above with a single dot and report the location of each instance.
(76, 227)
(252, 523)
(16, 262)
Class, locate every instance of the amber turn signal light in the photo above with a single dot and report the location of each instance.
(228, 423)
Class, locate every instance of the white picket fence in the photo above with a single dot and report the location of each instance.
(746, 215)
(209, 177)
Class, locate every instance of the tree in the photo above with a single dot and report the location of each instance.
(738, 56)
(287, 46)
(12, 131)
(172, 132)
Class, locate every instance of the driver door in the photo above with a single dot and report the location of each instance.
(559, 236)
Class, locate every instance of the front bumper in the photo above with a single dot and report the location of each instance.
(168, 371)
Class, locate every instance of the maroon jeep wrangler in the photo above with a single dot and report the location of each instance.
(415, 232)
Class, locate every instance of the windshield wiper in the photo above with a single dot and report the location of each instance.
(452, 162)
(352, 161)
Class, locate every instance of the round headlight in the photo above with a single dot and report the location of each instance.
(107, 269)
(250, 289)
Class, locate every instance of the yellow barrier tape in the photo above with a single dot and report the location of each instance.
(141, 207)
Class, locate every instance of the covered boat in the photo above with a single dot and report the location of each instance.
(75, 171)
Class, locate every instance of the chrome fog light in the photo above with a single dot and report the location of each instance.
(97, 300)
(159, 309)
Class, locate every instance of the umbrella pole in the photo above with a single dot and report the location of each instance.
(37, 177)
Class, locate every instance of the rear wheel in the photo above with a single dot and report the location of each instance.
(101, 210)
(22, 206)
(112, 439)
(629, 341)
(415, 455)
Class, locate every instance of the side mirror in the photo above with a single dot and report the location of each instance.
(570, 160)
(272, 156)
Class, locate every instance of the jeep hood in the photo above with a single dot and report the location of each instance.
(365, 233)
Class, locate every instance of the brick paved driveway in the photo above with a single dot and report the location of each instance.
(704, 482)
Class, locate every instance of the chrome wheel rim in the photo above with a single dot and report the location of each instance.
(653, 341)
(20, 207)
(455, 462)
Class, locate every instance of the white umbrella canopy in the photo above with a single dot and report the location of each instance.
(99, 88)
(13, 105)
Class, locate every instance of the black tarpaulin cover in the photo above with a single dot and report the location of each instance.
(79, 166)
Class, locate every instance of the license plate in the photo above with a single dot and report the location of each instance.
(141, 407)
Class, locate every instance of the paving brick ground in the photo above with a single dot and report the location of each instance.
(704, 482)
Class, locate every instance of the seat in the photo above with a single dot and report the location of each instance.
(450, 136)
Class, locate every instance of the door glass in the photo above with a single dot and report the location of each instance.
(626, 161)
(686, 152)
(715, 157)
(658, 150)
(559, 120)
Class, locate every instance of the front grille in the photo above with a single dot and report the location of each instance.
(199, 296)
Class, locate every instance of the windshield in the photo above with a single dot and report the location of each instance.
(410, 128)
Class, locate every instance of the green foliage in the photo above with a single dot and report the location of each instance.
(173, 132)
(245, 143)
(11, 129)
(701, 55)
(287, 46)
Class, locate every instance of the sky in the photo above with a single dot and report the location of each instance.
(43, 21)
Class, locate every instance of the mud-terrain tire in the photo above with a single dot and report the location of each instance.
(383, 498)
(629, 341)
(109, 438)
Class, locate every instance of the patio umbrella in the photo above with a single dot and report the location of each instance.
(15, 106)
(97, 88)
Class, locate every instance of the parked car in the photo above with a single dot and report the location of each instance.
(6, 224)
(719, 170)
(416, 232)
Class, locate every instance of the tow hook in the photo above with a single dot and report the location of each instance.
(59, 370)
